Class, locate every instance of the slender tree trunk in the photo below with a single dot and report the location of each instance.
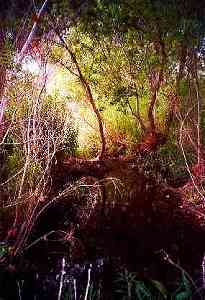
(89, 96)
(2, 64)
(174, 97)
(98, 116)
(153, 139)
(29, 39)
(2, 87)
(151, 127)
(2, 78)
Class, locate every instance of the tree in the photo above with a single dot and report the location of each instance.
(86, 87)
(170, 29)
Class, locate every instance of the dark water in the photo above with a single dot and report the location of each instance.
(38, 274)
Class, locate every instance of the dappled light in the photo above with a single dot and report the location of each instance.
(102, 150)
(31, 66)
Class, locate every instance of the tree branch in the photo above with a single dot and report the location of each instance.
(31, 34)
(88, 93)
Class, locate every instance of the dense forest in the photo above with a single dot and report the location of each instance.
(102, 149)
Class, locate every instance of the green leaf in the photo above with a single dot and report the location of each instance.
(186, 282)
(160, 287)
(183, 296)
(3, 249)
(142, 291)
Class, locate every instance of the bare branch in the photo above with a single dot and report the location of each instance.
(31, 34)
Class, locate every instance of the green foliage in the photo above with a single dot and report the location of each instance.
(184, 291)
(171, 155)
(183, 88)
(122, 95)
(129, 287)
(168, 163)
(14, 160)
(116, 44)
(117, 67)
(88, 144)
(60, 120)
(121, 128)
(160, 287)
(3, 249)
(70, 142)
(33, 173)
(6, 54)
